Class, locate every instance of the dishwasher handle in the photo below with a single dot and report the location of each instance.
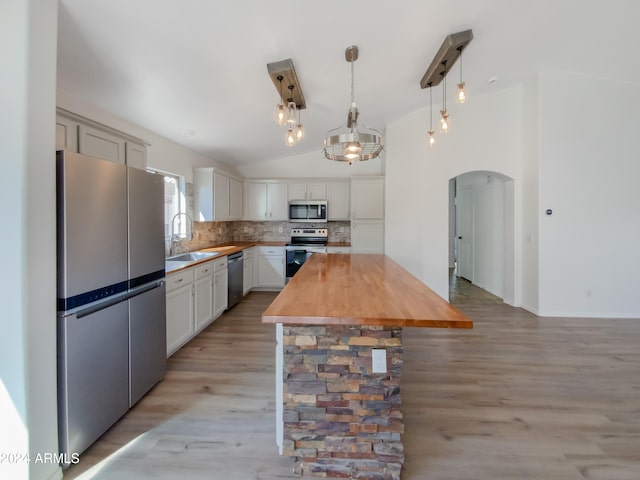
(237, 257)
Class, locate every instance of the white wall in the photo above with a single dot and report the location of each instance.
(28, 407)
(528, 203)
(485, 135)
(162, 153)
(311, 165)
(589, 175)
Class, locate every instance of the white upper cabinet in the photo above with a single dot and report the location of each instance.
(220, 197)
(265, 200)
(136, 155)
(367, 198)
(338, 200)
(307, 190)
(216, 196)
(235, 199)
(101, 144)
(66, 134)
(78, 134)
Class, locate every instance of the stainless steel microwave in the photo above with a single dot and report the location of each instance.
(308, 211)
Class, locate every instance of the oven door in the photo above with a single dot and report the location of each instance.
(295, 258)
(297, 255)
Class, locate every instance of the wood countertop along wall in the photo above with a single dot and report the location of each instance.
(360, 289)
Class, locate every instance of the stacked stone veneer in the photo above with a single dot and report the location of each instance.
(340, 419)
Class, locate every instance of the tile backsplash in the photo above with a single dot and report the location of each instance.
(208, 234)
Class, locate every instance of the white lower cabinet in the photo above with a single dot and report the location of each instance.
(220, 287)
(247, 270)
(196, 296)
(179, 309)
(270, 267)
(203, 295)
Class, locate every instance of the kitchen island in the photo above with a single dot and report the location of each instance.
(337, 416)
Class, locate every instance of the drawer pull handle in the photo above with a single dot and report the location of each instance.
(179, 280)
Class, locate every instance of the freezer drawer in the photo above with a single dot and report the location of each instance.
(93, 375)
(148, 340)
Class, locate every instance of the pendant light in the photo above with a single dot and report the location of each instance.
(290, 137)
(444, 115)
(461, 96)
(352, 145)
(432, 139)
(299, 129)
(291, 107)
(280, 110)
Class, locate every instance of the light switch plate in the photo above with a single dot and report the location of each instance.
(378, 360)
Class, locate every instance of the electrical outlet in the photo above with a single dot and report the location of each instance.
(378, 360)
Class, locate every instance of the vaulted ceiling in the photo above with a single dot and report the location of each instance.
(200, 65)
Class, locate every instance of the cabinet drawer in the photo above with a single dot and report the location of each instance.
(264, 250)
(204, 269)
(247, 254)
(220, 264)
(179, 279)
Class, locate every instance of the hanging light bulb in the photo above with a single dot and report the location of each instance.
(280, 109)
(430, 132)
(299, 129)
(291, 107)
(444, 115)
(290, 138)
(461, 97)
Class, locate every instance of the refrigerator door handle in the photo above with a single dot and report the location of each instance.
(145, 289)
(99, 306)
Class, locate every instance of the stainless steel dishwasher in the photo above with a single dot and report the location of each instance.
(235, 266)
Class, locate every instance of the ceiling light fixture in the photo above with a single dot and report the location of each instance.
(352, 145)
(286, 112)
(446, 56)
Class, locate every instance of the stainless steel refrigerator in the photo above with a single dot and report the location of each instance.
(111, 293)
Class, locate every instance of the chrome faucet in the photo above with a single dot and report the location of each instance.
(174, 236)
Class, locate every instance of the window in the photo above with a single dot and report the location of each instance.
(174, 203)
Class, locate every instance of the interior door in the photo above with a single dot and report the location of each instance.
(464, 233)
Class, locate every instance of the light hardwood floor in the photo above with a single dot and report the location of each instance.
(517, 397)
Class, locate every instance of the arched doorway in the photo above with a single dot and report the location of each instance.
(481, 234)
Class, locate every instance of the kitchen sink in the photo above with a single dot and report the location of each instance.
(191, 257)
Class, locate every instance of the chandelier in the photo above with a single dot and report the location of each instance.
(352, 145)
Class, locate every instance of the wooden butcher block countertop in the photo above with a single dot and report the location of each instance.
(360, 289)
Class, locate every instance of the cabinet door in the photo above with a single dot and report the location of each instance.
(220, 292)
(271, 270)
(66, 134)
(338, 200)
(136, 155)
(220, 197)
(203, 194)
(297, 191)
(247, 271)
(101, 144)
(367, 236)
(367, 198)
(179, 318)
(255, 201)
(278, 201)
(317, 191)
(203, 302)
(235, 199)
